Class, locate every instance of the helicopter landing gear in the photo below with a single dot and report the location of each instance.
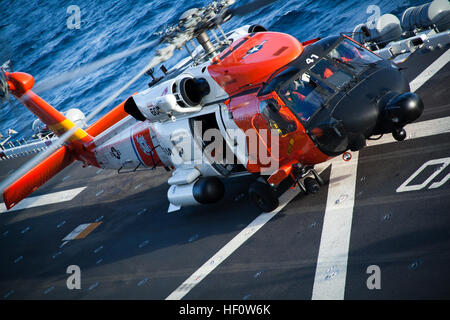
(310, 185)
(263, 196)
(399, 134)
(317, 177)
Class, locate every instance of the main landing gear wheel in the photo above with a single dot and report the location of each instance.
(263, 196)
(309, 185)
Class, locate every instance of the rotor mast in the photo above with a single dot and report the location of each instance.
(194, 24)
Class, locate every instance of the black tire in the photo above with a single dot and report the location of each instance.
(399, 134)
(311, 185)
(263, 196)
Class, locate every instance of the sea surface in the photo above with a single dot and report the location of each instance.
(36, 37)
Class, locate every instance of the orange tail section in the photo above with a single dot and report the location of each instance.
(109, 119)
(37, 176)
(79, 146)
(20, 85)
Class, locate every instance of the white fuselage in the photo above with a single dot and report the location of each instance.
(168, 133)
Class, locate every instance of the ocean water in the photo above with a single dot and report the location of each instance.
(35, 36)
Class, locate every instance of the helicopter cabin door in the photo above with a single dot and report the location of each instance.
(216, 150)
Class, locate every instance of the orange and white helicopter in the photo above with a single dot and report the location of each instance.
(246, 101)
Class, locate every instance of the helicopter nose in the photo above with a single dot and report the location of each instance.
(389, 115)
(381, 103)
(359, 118)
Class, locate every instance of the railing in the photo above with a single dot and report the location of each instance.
(22, 149)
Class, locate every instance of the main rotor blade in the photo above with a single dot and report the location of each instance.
(54, 81)
(247, 8)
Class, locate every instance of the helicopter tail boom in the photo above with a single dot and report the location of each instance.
(78, 147)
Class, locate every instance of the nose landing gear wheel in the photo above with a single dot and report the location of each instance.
(399, 134)
(263, 196)
(311, 185)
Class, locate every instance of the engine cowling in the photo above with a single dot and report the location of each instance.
(169, 99)
(191, 91)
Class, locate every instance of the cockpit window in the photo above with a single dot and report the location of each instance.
(276, 117)
(353, 56)
(332, 72)
(305, 87)
(343, 63)
(275, 82)
(305, 95)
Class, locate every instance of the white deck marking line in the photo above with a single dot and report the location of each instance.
(230, 247)
(430, 71)
(51, 198)
(331, 269)
(418, 130)
(262, 219)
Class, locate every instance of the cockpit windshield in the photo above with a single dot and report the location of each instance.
(353, 55)
(305, 95)
(343, 63)
(335, 71)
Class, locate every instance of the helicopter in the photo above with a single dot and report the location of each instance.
(249, 101)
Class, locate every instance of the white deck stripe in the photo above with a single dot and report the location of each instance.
(430, 71)
(230, 247)
(56, 197)
(331, 270)
(418, 130)
(338, 266)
